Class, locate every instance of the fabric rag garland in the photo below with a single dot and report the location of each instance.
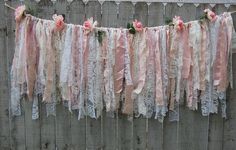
(140, 70)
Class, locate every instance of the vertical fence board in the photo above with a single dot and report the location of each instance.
(125, 126)
(109, 19)
(93, 126)
(229, 137)
(32, 127)
(78, 127)
(77, 12)
(229, 132)
(200, 124)
(140, 135)
(4, 88)
(47, 123)
(170, 128)
(18, 123)
(186, 118)
(63, 128)
(5, 55)
(215, 140)
(47, 133)
(125, 14)
(155, 128)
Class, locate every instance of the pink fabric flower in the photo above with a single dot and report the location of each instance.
(137, 25)
(210, 14)
(89, 25)
(178, 22)
(59, 21)
(19, 12)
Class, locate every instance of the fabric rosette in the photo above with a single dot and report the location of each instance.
(136, 26)
(59, 22)
(178, 23)
(89, 25)
(210, 15)
(19, 12)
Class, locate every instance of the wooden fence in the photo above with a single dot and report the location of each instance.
(65, 132)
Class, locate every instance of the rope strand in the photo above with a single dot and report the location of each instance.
(12, 8)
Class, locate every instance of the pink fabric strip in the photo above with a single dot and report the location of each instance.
(186, 55)
(74, 76)
(217, 62)
(172, 66)
(31, 58)
(142, 58)
(230, 30)
(223, 48)
(50, 61)
(21, 66)
(85, 59)
(128, 105)
(159, 92)
(119, 61)
(202, 55)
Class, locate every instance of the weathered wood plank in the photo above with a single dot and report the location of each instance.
(125, 126)
(93, 126)
(140, 125)
(78, 133)
(6, 52)
(78, 127)
(185, 137)
(32, 127)
(170, 129)
(47, 123)
(229, 125)
(126, 11)
(17, 123)
(200, 130)
(63, 128)
(229, 132)
(77, 12)
(4, 80)
(156, 14)
(109, 14)
(109, 19)
(48, 129)
(215, 135)
(155, 128)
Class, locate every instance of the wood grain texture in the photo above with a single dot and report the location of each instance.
(155, 128)
(17, 128)
(76, 15)
(93, 126)
(229, 133)
(4, 80)
(47, 130)
(215, 141)
(63, 115)
(140, 123)
(5, 55)
(125, 126)
(170, 129)
(109, 19)
(32, 129)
